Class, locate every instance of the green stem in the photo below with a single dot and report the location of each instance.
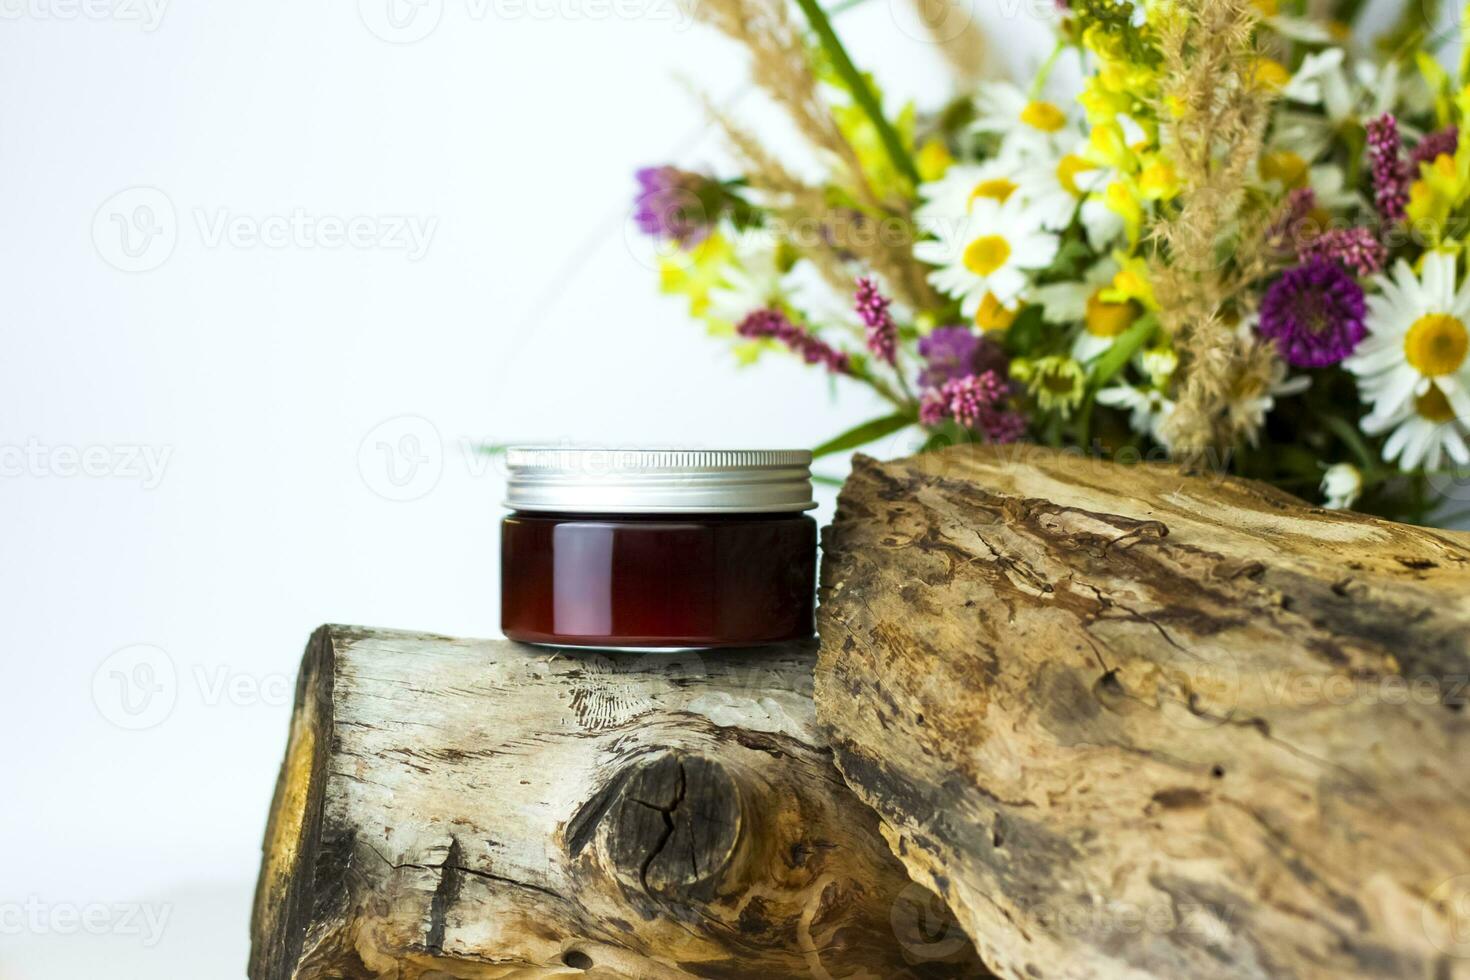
(861, 93)
(1039, 82)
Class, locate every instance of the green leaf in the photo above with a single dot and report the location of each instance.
(1024, 335)
(823, 479)
(861, 435)
(858, 87)
(1116, 356)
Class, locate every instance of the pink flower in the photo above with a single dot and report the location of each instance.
(772, 324)
(1352, 248)
(1390, 174)
(975, 401)
(872, 307)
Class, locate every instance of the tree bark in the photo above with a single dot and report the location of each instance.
(1135, 723)
(478, 809)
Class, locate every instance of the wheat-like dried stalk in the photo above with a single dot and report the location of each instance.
(1206, 253)
(831, 235)
(779, 65)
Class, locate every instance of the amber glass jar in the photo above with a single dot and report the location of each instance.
(658, 549)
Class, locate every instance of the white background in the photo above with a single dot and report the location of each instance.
(284, 387)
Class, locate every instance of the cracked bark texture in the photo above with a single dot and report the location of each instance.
(1134, 723)
(480, 809)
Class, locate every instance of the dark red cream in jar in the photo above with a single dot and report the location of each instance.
(658, 549)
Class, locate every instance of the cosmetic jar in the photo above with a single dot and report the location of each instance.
(658, 549)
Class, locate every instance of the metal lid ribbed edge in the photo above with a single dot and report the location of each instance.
(659, 480)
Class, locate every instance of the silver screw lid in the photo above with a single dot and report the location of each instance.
(659, 481)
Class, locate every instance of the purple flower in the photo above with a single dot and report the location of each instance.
(676, 204)
(976, 402)
(954, 352)
(872, 306)
(1314, 312)
(772, 324)
(1442, 142)
(1357, 249)
(1390, 175)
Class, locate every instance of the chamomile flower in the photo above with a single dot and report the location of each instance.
(1028, 127)
(1104, 224)
(1066, 302)
(990, 250)
(1058, 185)
(1417, 342)
(755, 279)
(1322, 81)
(1057, 383)
(1340, 95)
(1082, 302)
(1148, 409)
(1342, 484)
(1423, 433)
(962, 185)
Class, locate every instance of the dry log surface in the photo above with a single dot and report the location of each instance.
(479, 809)
(1133, 723)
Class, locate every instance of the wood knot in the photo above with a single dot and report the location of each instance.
(674, 830)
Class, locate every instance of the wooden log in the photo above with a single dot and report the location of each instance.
(1134, 723)
(477, 809)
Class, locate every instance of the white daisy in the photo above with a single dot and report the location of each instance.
(1056, 188)
(1345, 96)
(1103, 224)
(1066, 302)
(754, 279)
(1028, 127)
(1321, 80)
(963, 184)
(1342, 484)
(1424, 433)
(1081, 302)
(1417, 341)
(1148, 409)
(989, 250)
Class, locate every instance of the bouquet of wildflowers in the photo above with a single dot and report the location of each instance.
(1236, 240)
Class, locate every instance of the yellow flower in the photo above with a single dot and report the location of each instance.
(1285, 166)
(1270, 74)
(1443, 186)
(695, 272)
(1158, 181)
(1132, 283)
(1107, 145)
(933, 160)
(1123, 201)
(1057, 383)
(991, 315)
(1043, 116)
